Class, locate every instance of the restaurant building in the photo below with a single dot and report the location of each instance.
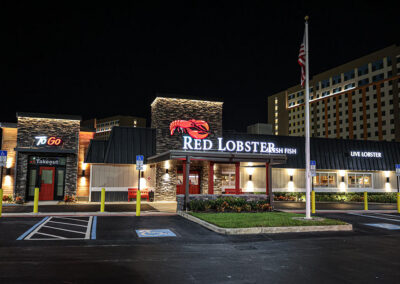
(45, 150)
(185, 150)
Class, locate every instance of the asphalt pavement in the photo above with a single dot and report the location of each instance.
(194, 254)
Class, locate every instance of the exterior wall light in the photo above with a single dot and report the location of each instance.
(291, 178)
(250, 177)
(342, 178)
(83, 173)
(8, 171)
(166, 171)
(142, 174)
(387, 179)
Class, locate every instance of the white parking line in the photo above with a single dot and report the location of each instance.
(84, 226)
(55, 228)
(46, 224)
(68, 218)
(388, 215)
(376, 217)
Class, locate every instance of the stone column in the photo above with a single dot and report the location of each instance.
(165, 189)
(204, 177)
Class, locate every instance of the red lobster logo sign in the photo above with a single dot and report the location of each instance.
(197, 129)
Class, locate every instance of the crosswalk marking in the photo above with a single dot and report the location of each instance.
(376, 217)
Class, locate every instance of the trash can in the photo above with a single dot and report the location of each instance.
(151, 196)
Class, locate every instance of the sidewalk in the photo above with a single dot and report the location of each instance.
(292, 205)
(90, 209)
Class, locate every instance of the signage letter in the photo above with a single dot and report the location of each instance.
(220, 148)
(239, 147)
(187, 141)
(207, 144)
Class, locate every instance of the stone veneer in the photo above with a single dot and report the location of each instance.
(166, 110)
(28, 128)
(166, 183)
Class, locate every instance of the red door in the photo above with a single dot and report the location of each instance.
(194, 186)
(46, 183)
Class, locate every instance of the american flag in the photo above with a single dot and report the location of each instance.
(302, 62)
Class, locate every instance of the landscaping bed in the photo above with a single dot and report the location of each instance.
(389, 197)
(265, 219)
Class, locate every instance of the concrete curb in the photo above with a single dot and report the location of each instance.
(82, 214)
(266, 230)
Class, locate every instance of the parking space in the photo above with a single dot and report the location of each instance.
(61, 228)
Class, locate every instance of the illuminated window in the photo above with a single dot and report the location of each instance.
(359, 180)
(276, 116)
(325, 180)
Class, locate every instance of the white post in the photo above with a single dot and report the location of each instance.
(307, 129)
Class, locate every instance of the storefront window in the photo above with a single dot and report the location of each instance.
(360, 180)
(193, 179)
(228, 179)
(325, 180)
(32, 182)
(60, 182)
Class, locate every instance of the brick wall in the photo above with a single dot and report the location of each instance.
(166, 110)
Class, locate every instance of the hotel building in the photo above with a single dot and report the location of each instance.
(357, 100)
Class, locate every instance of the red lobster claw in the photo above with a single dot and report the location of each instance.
(197, 129)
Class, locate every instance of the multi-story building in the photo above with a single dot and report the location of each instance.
(357, 100)
(103, 126)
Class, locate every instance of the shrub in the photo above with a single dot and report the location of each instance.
(19, 200)
(69, 198)
(7, 198)
(229, 204)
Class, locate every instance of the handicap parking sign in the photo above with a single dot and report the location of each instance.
(139, 162)
(3, 158)
(397, 169)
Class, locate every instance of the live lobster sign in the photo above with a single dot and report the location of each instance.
(197, 129)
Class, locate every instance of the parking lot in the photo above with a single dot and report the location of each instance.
(164, 249)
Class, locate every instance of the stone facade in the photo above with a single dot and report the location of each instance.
(30, 127)
(166, 183)
(166, 110)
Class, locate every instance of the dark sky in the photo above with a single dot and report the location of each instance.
(100, 60)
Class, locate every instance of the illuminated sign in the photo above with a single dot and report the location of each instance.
(235, 146)
(362, 154)
(50, 141)
(197, 129)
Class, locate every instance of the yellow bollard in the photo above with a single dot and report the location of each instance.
(398, 202)
(365, 200)
(103, 199)
(36, 201)
(313, 202)
(138, 199)
(1, 200)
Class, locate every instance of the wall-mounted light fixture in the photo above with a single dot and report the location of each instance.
(342, 178)
(166, 171)
(8, 171)
(291, 178)
(387, 179)
(250, 177)
(141, 174)
(83, 173)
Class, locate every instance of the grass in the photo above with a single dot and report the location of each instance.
(267, 219)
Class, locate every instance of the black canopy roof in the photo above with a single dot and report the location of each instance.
(122, 146)
(331, 153)
(127, 142)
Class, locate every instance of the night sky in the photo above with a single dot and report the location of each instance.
(100, 60)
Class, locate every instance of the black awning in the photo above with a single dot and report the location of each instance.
(273, 159)
(332, 154)
(123, 146)
(46, 150)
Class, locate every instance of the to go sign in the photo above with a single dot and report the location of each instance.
(50, 141)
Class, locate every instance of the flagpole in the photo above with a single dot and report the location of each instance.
(307, 127)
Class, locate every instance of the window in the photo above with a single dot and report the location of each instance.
(377, 65)
(378, 77)
(363, 82)
(325, 180)
(349, 75)
(337, 90)
(363, 70)
(359, 180)
(350, 86)
(325, 83)
(336, 79)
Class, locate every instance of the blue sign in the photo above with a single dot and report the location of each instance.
(139, 162)
(397, 169)
(156, 233)
(313, 163)
(3, 158)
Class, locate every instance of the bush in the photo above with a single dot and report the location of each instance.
(69, 198)
(7, 198)
(19, 200)
(229, 204)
